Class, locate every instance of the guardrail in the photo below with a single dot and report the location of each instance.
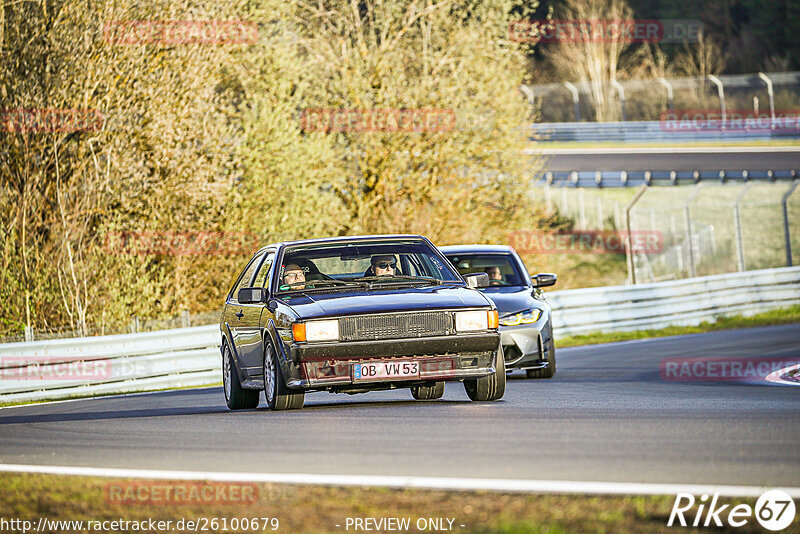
(681, 302)
(61, 368)
(646, 132)
(669, 178)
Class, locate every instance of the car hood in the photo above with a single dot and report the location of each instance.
(512, 299)
(384, 300)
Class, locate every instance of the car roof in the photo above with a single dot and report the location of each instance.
(342, 238)
(471, 249)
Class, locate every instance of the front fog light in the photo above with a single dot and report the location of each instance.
(472, 320)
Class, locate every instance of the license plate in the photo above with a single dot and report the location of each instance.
(385, 370)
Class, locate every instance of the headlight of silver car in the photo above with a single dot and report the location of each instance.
(526, 317)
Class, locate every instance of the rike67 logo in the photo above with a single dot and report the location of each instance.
(774, 511)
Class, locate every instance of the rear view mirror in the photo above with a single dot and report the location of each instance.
(544, 279)
(477, 280)
(252, 295)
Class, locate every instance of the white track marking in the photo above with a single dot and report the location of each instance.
(439, 483)
(777, 376)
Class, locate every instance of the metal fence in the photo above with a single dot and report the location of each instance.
(646, 100)
(64, 368)
(708, 228)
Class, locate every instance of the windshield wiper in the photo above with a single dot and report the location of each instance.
(399, 278)
(311, 285)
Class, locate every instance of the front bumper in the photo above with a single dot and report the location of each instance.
(526, 346)
(454, 357)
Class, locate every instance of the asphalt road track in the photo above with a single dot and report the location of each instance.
(607, 416)
(669, 159)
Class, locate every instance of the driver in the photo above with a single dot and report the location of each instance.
(384, 265)
(495, 276)
(293, 276)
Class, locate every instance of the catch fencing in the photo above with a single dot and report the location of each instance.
(708, 228)
(62, 368)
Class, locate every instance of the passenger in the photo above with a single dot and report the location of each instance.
(294, 277)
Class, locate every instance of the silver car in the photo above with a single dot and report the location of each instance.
(526, 328)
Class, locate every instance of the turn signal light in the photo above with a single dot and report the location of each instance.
(493, 318)
(299, 331)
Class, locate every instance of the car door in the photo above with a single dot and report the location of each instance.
(250, 345)
(234, 313)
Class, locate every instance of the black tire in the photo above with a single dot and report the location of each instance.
(278, 395)
(548, 371)
(433, 390)
(236, 397)
(492, 387)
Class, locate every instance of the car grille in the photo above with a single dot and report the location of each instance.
(394, 326)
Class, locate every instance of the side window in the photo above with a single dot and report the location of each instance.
(245, 277)
(261, 277)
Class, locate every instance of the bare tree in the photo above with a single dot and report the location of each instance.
(594, 56)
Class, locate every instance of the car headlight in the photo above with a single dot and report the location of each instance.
(316, 331)
(526, 317)
(468, 321)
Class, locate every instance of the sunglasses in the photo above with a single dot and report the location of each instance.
(386, 265)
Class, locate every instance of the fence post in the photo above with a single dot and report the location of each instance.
(629, 241)
(185, 322)
(599, 205)
(28, 333)
(737, 221)
(548, 201)
(670, 101)
(771, 98)
(689, 238)
(721, 92)
(785, 201)
(621, 91)
(581, 209)
(576, 100)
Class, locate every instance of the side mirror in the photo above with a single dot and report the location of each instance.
(544, 280)
(252, 295)
(477, 280)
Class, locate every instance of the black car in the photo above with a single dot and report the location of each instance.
(526, 326)
(357, 314)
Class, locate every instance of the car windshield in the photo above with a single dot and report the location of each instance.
(366, 264)
(501, 268)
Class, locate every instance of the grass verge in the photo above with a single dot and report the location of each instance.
(320, 509)
(773, 317)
